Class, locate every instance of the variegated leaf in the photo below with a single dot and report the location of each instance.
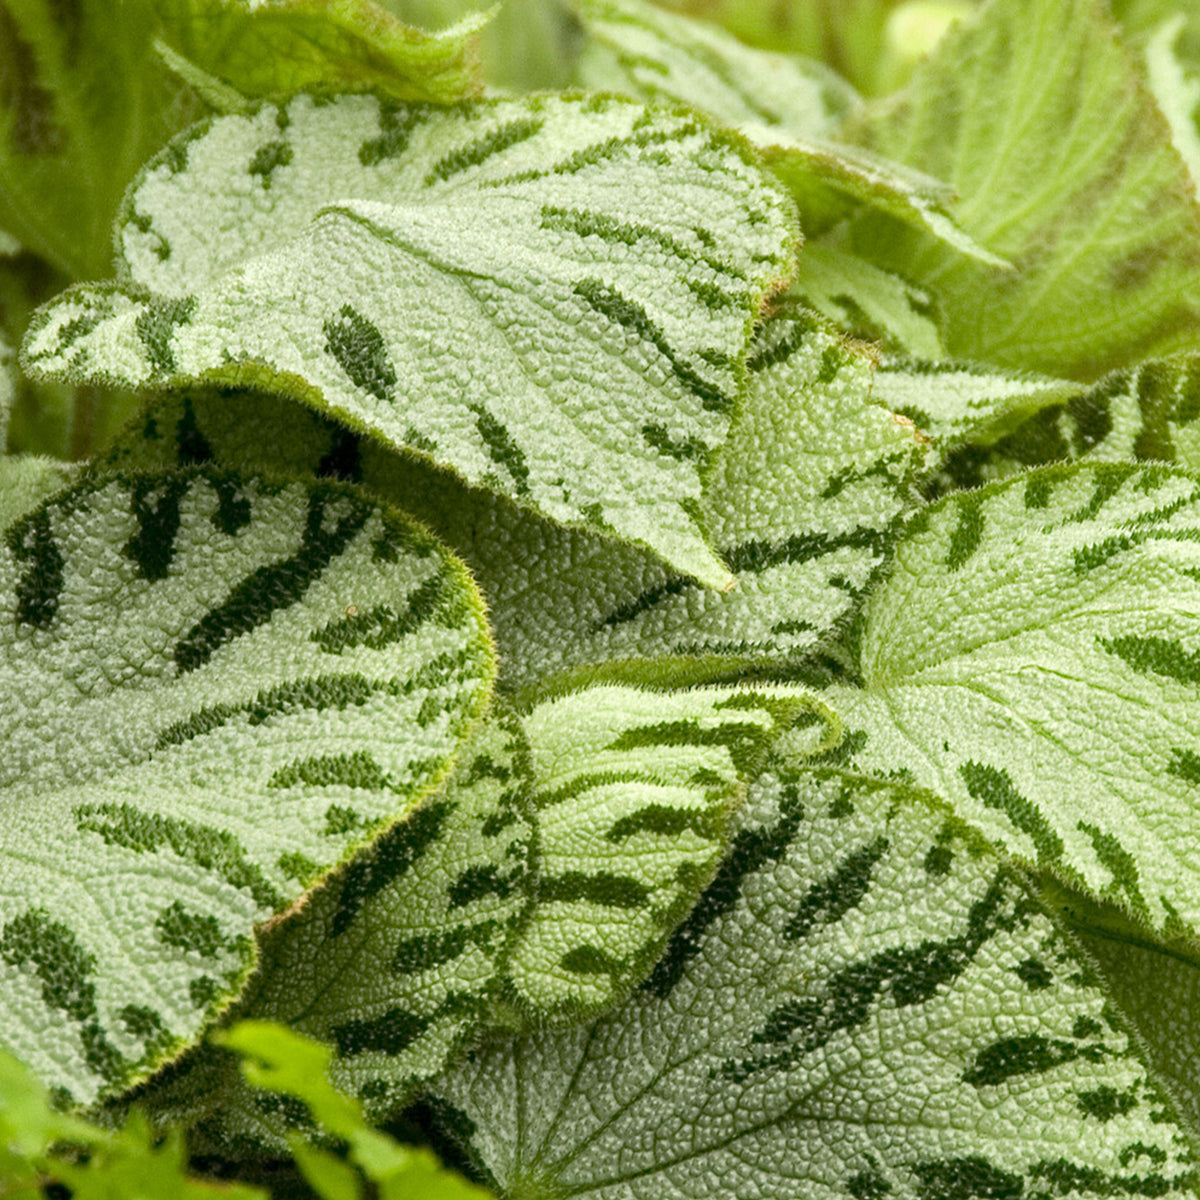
(1032, 656)
(212, 689)
(800, 504)
(865, 1004)
(786, 107)
(1075, 182)
(634, 790)
(1147, 412)
(543, 882)
(553, 296)
(955, 402)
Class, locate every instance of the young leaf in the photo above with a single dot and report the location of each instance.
(1037, 116)
(285, 1062)
(286, 45)
(553, 297)
(196, 669)
(1031, 657)
(864, 1004)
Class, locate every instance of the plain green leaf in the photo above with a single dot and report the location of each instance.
(1031, 657)
(552, 297)
(284, 45)
(1038, 116)
(84, 102)
(194, 669)
(865, 1004)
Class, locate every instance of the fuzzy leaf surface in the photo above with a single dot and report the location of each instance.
(553, 297)
(864, 1004)
(1032, 657)
(196, 670)
(800, 503)
(1037, 115)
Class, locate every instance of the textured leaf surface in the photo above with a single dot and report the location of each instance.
(1073, 179)
(283, 45)
(800, 504)
(862, 1005)
(545, 879)
(1149, 412)
(1032, 657)
(954, 402)
(26, 481)
(786, 107)
(212, 690)
(552, 297)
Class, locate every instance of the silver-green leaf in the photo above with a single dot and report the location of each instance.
(212, 689)
(1032, 656)
(552, 296)
(864, 1004)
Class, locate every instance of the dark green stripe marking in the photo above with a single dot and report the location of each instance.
(156, 325)
(743, 740)
(591, 960)
(284, 700)
(476, 153)
(587, 781)
(759, 555)
(195, 933)
(752, 851)
(360, 350)
(1123, 866)
(478, 882)
(156, 508)
(832, 898)
(658, 437)
(390, 858)
(627, 233)
(40, 587)
(397, 123)
(417, 954)
(273, 588)
(970, 1178)
(233, 506)
(65, 972)
(355, 770)
(1104, 1103)
(1032, 1054)
(212, 849)
(601, 887)
(382, 626)
(666, 821)
(609, 303)
(391, 1033)
(1068, 1178)
(502, 448)
(1155, 656)
(994, 788)
(914, 975)
(268, 159)
(1185, 765)
(968, 533)
(646, 601)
